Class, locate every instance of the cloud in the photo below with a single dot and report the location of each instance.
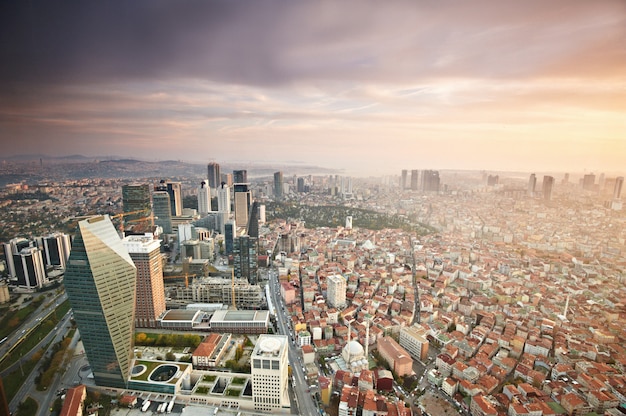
(267, 43)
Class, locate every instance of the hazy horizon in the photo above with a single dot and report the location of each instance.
(496, 86)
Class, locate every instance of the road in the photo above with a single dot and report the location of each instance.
(29, 387)
(304, 400)
(46, 308)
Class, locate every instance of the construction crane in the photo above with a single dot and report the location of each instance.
(121, 216)
(140, 211)
(232, 288)
(185, 276)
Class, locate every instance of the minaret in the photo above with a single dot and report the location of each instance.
(348, 344)
(367, 340)
(566, 307)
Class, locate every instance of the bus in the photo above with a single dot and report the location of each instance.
(3, 340)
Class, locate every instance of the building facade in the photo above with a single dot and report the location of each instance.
(415, 342)
(269, 372)
(213, 174)
(100, 282)
(336, 291)
(150, 292)
(245, 258)
(162, 211)
(204, 198)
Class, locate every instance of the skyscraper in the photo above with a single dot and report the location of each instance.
(589, 181)
(269, 371)
(223, 198)
(300, 186)
(336, 291)
(430, 181)
(100, 282)
(403, 179)
(548, 184)
(278, 185)
(532, 184)
(175, 193)
(240, 176)
(414, 182)
(214, 175)
(56, 249)
(150, 293)
(162, 210)
(30, 270)
(204, 198)
(243, 199)
(245, 258)
(617, 190)
(253, 220)
(14, 246)
(136, 197)
(230, 230)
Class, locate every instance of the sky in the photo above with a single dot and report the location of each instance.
(363, 86)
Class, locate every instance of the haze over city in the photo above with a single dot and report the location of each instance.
(352, 85)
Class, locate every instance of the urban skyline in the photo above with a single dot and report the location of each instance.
(524, 86)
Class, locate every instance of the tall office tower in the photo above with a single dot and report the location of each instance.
(269, 373)
(430, 181)
(14, 246)
(136, 197)
(204, 198)
(246, 259)
(548, 184)
(100, 282)
(243, 199)
(589, 181)
(145, 251)
(565, 178)
(414, 182)
(492, 180)
(262, 214)
(215, 178)
(56, 249)
(223, 198)
(30, 270)
(162, 210)
(300, 186)
(240, 176)
(532, 184)
(227, 178)
(346, 185)
(176, 199)
(403, 179)
(336, 291)
(253, 220)
(230, 231)
(617, 190)
(278, 185)
(349, 222)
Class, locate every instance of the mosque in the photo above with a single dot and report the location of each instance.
(353, 356)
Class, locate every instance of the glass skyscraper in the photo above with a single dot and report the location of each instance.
(100, 283)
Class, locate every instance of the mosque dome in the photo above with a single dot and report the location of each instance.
(355, 349)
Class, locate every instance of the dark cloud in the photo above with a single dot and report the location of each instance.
(277, 42)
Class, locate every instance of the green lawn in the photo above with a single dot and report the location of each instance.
(28, 407)
(14, 380)
(35, 335)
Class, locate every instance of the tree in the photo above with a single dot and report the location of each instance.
(170, 356)
(140, 338)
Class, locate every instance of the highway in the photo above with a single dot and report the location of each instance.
(29, 386)
(304, 400)
(46, 308)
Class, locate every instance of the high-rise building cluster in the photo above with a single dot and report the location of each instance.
(31, 264)
(430, 181)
